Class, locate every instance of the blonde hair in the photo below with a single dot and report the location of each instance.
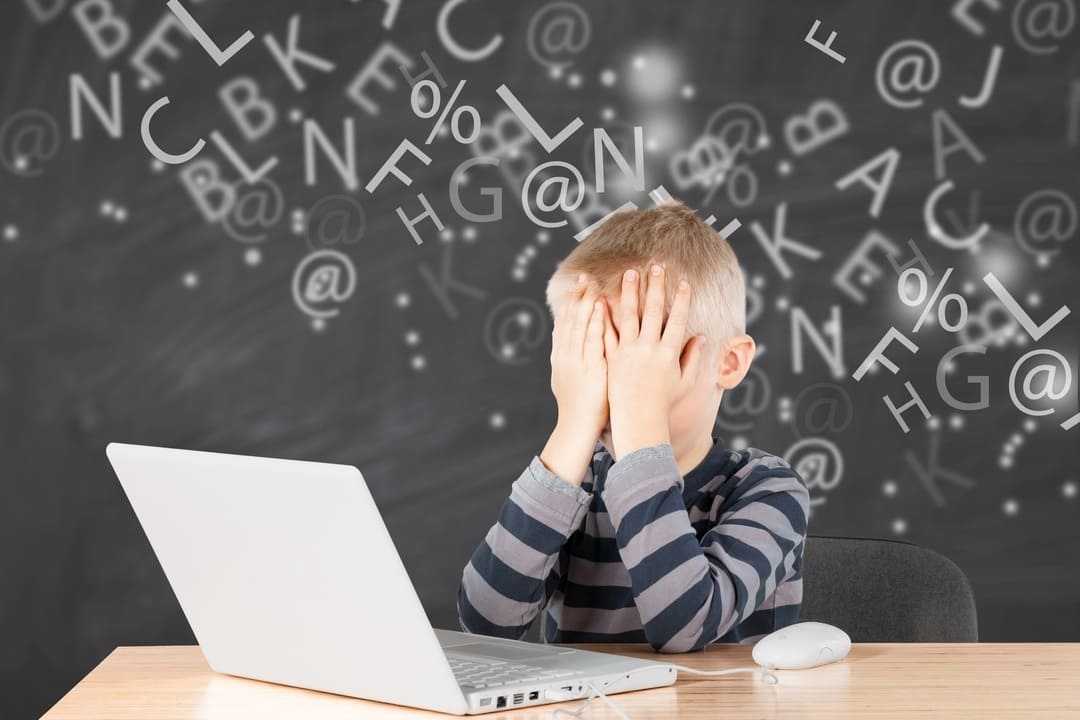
(674, 236)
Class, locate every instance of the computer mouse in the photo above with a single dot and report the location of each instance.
(802, 645)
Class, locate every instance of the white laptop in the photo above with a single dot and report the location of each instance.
(286, 573)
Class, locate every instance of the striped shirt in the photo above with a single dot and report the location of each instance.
(638, 553)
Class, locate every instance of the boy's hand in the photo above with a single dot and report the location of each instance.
(648, 369)
(578, 368)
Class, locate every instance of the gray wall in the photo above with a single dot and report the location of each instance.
(154, 325)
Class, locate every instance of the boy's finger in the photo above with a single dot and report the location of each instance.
(675, 329)
(652, 318)
(628, 305)
(611, 336)
(565, 319)
(690, 362)
(582, 312)
(594, 336)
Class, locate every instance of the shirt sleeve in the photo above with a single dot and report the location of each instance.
(513, 572)
(689, 592)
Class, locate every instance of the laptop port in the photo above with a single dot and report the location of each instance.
(534, 695)
(567, 688)
(501, 701)
(519, 698)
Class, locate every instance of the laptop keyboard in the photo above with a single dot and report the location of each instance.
(479, 674)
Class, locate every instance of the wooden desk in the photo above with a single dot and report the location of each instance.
(982, 681)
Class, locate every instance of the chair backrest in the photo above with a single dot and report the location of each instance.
(886, 591)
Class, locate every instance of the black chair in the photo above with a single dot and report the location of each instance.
(886, 591)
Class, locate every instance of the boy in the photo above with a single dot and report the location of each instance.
(635, 524)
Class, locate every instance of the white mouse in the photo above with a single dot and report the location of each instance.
(802, 645)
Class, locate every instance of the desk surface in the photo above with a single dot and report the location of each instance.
(875, 681)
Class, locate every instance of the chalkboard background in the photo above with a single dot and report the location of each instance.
(126, 315)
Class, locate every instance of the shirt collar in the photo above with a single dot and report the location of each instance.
(710, 466)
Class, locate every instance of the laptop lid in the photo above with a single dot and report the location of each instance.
(286, 573)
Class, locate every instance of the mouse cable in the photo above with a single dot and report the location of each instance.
(595, 692)
(764, 672)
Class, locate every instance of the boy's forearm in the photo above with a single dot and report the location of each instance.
(568, 452)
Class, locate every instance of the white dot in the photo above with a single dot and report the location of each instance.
(107, 207)
(652, 145)
(1069, 489)
(252, 256)
(739, 442)
(785, 416)
(11, 233)
(1005, 462)
(782, 303)
(968, 288)
(1017, 439)
(889, 487)
(21, 163)
(1042, 260)
(757, 281)
(191, 280)
(121, 214)
(418, 362)
(639, 62)
(530, 251)
(1021, 340)
(688, 92)
(497, 420)
(156, 165)
(318, 324)
(1010, 507)
(518, 274)
(444, 130)
(1034, 299)
(469, 233)
(402, 300)
(785, 401)
(956, 421)
(574, 80)
(412, 338)
(899, 526)
(1030, 425)
(607, 114)
(295, 115)
(297, 215)
(543, 236)
(507, 351)
(447, 234)
(866, 278)
(950, 367)
(763, 141)
(607, 77)
(524, 319)
(555, 72)
(784, 168)
(145, 83)
(933, 423)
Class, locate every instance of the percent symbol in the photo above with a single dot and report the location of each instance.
(436, 103)
(920, 296)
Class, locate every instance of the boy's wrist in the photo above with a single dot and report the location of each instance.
(569, 450)
(641, 432)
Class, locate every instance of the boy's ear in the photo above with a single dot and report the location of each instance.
(733, 360)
